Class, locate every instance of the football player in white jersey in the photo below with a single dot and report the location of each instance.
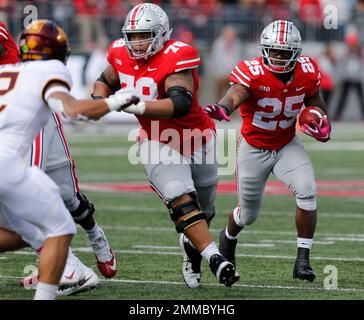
(50, 153)
(30, 203)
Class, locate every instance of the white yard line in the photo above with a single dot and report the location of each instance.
(237, 285)
(269, 232)
(253, 245)
(155, 247)
(331, 215)
(316, 242)
(354, 239)
(243, 255)
(256, 245)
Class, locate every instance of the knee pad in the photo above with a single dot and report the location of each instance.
(85, 209)
(190, 212)
(306, 196)
(308, 204)
(245, 219)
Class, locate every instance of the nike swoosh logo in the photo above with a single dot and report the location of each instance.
(301, 88)
(112, 264)
(151, 69)
(71, 275)
(82, 282)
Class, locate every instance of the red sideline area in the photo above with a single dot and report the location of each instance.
(332, 188)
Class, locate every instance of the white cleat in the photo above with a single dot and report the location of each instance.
(73, 272)
(90, 282)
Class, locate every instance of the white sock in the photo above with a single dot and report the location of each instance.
(45, 291)
(209, 251)
(304, 243)
(229, 236)
(94, 233)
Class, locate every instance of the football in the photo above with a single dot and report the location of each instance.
(310, 114)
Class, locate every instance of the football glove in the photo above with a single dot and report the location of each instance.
(218, 111)
(122, 99)
(321, 134)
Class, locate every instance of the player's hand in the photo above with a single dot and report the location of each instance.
(131, 101)
(122, 99)
(218, 112)
(321, 134)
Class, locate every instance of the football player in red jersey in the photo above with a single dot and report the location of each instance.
(270, 91)
(162, 72)
(8, 49)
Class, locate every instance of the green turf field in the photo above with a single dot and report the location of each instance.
(149, 259)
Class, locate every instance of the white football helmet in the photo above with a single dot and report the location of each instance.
(146, 17)
(280, 35)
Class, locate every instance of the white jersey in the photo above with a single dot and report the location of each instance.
(23, 110)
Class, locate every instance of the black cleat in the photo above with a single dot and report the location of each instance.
(227, 247)
(191, 268)
(223, 270)
(303, 271)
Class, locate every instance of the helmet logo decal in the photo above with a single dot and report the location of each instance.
(25, 48)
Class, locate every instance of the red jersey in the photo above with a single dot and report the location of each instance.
(148, 76)
(12, 54)
(269, 116)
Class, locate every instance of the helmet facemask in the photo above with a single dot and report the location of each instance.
(155, 41)
(279, 65)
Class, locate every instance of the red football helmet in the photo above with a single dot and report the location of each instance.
(44, 40)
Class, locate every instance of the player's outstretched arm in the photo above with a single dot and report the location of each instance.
(234, 97)
(179, 88)
(106, 84)
(62, 102)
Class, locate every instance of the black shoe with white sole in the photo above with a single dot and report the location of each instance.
(224, 270)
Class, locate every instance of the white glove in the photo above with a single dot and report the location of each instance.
(134, 105)
(122, 99)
